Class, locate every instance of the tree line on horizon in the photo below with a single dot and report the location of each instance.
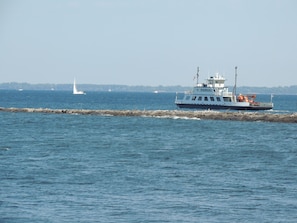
(138, 88)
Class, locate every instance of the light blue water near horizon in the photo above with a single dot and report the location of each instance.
(83, 168)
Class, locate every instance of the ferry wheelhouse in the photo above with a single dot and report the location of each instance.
(214, 95)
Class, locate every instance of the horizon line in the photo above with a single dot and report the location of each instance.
(14, 82)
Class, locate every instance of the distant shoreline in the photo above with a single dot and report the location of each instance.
(292, 90)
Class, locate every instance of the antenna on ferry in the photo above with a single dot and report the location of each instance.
(234, 89)
(197, 75)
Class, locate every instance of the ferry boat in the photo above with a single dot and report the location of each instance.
(214, 95)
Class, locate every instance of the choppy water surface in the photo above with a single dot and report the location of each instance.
(74, 168)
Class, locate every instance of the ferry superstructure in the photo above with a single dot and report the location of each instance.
(214, 95)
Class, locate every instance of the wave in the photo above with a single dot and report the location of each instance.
(5, 148)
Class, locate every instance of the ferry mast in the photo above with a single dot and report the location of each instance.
(197, 75)
(234, 89)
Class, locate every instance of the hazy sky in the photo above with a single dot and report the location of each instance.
(148, 42)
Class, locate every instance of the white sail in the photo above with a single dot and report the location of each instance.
(75, 91)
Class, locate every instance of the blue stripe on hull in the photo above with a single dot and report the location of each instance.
(193, 106)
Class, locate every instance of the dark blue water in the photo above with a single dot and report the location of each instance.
(79, 168)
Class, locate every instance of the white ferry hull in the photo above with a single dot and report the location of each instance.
(267, 106)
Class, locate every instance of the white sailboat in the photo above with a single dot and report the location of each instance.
(75, 91)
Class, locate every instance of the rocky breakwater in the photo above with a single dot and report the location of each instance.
(213, 115)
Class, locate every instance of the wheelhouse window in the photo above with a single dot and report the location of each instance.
(205, 98)
(218, 99)
(199, 98)
(226, 99)
(188, 98)
(212, 98)
(194, 98)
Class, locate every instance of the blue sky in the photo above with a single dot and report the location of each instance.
(148, 42)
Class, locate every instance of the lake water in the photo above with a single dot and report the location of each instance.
(83, 168)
